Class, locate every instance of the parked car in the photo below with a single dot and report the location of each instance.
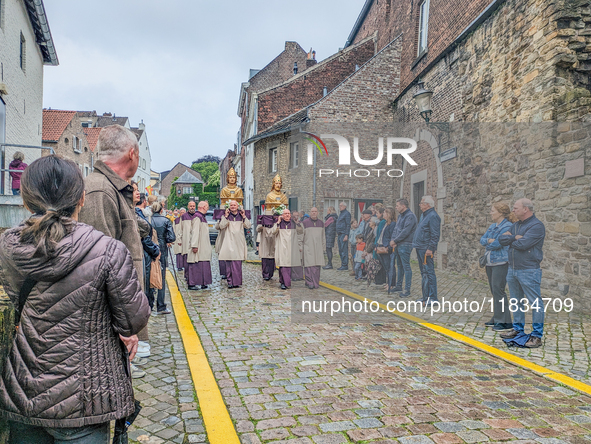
(213, 233)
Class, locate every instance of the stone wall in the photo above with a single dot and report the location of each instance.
(528, 63)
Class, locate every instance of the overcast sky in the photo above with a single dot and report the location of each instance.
(178, 64)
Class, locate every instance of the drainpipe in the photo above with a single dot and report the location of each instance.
(314, 181)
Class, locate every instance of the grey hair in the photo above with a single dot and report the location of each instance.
(343, 203)
(429, 200)
(527, 204)
(114, 142)
(156, 207)
(19, 156)
(375, 220)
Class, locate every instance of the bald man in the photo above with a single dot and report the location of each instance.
(314, 245)
(184, 237)
(525, 239)
(233, 249)
(198, 267)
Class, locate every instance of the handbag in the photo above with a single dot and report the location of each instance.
(482, 261)
(382, 250)
(156, 274)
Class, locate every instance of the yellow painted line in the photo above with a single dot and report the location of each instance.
(515, 360)
(218, 424)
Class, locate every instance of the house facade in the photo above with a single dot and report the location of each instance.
(26, 46)
(64, 134)
(177, 171)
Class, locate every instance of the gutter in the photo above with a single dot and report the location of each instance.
(48, 40)
(359, 22)
(275, 133)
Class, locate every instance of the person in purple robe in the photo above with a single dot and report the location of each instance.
(288, 247)
(314, 246)
(297, 272)
(233, 249)
(184, 236)
(198, 265)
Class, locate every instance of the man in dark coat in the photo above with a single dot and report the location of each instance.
(330, 227)
(343, 228)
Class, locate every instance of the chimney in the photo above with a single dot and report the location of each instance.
(311, 59)
(141, 125)
(295, 68)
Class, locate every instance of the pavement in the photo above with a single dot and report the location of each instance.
(298, 383)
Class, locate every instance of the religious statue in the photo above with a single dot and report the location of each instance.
(231, 191)
(275, 197)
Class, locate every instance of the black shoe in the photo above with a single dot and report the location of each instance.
(502, 327)
(342, 268)
(283, 287)
(179, 269)
(327, 267)
(533, 342)
(395, 289)
(194, 287)
(267, 279)
(404, 294)
(490, 323)
(223, 276)
(509, 334)
(204, 287)
(256, 253)
(233, 286)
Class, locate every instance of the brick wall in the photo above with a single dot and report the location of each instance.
(447, 19)
(308, 86)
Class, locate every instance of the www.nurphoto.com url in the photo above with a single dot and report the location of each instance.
(465, 306)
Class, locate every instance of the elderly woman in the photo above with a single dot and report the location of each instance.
(497, 264)
(372, 265)
(17, 164)
(163, 227)
(67, 374)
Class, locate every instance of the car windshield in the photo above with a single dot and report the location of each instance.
(209, 217)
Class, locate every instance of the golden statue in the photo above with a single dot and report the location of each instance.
(275, 197)
(231, 191)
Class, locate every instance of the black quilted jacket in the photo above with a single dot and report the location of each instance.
(68, 367)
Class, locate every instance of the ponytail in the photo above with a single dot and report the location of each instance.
(51, 188)
(504, 209)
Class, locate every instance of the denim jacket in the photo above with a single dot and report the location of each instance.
(498, 252)
(404, 230)
(428, 231)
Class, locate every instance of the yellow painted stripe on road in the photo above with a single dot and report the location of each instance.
(515, 360)
(218, 424)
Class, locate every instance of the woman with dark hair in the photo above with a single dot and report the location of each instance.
(67, 374)
(497, 264)
(163, 227)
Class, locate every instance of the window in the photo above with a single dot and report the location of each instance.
(294, 155)
(187, 190)
(423, 26)
(273, 160)
(144, 164)
(86, 170)
(85, 124)
(293, 204)
(77, 144)
(23, 53)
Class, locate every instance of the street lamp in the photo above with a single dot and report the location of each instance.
(423, 100)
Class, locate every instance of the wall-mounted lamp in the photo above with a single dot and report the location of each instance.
(423, 100)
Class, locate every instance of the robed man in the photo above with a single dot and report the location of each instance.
(177, 248)
(184, 240)
(287, 247)
(314, 246)
(297, 272)
(266, 249)
(233, 249)
(198, 266)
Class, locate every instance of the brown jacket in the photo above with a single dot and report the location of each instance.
(68, 367)
(109, 208)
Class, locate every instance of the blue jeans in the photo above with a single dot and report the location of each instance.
(27, 434)
(16, 192)
(358, 270)
(527, 283)
(428, 278)
(402, 254)
(343, 250)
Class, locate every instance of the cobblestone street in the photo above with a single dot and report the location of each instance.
(337, 383)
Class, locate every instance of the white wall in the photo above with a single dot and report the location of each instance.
(142, 177)
(24, 101)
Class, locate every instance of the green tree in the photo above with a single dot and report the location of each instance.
(214, 179)
(206, 169)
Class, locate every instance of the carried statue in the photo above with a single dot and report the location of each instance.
(231, 191)
(275, 197)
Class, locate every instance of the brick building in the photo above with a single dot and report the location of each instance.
(168, 177)
(63, 132)
(26, 46)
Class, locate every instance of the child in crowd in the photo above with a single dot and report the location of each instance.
(359, 257)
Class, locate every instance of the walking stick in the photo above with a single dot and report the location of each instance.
(173, 267)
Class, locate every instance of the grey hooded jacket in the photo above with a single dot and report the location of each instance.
(68, 367)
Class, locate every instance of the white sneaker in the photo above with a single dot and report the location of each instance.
(143, 353)
(143, 344)
(139, 361)
(136, 372)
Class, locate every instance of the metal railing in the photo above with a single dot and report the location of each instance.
(3, 170)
